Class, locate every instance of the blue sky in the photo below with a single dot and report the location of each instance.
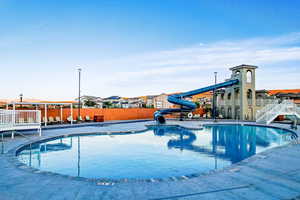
(140, 47)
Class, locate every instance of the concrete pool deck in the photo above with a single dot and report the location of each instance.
(273, 174)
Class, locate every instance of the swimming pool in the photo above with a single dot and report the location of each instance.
(160, 152)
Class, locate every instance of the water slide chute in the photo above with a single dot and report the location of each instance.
(188, 106)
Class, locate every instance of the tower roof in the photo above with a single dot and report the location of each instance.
(243, 66)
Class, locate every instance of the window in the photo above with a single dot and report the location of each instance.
(249, 76)
(237, 93)
(249, 96)
(229, 96)
(222, 96)
(229, 113)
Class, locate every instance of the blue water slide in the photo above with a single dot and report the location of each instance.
(188, 106)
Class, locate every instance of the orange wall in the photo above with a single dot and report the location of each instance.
(110, 113)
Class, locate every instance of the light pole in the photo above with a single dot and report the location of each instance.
(21, 99)
(79, 102)
(215, 99)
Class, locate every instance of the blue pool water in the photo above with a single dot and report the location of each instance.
(160, 152)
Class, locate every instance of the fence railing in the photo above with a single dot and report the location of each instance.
(20, 120)
(23, 117)
(271, 111)
(268, 105)
(263, 102)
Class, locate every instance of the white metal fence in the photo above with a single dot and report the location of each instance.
(271, 111)
(263, 102)
(11, 120)
(267, 108)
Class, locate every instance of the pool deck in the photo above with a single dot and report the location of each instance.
(273, 174)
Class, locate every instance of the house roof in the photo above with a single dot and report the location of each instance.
(291, 91)
(113, 97)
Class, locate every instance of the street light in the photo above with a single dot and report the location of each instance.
(21, 99)
(79, 102)
(215, 99)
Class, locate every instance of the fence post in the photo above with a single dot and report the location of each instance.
(46, 116)
(39, 116)
(13, 118)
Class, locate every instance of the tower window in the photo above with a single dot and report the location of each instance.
(229, 96)
(249, 76)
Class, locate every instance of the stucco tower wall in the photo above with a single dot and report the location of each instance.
(246, 74)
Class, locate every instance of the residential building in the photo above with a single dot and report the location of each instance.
(134, 102)
(292, 94)
(112, 102)
(161, 101)
(150, 101)
(97, 100)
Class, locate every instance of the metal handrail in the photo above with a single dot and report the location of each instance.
(21, 134)
(13, 120)
(271, 111)
(15, 132)
(267, 108)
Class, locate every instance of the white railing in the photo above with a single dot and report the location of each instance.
(6, 119)
(268, 105)
(25, 117)
(263, 102)
(11, 120)
(271, 111)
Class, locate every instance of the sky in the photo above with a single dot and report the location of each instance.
(140, 47)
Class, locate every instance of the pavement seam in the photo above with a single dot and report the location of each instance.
(203, 193)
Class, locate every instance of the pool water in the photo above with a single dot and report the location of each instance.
(159, 152)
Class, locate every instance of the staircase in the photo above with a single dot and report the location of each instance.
(267, 114)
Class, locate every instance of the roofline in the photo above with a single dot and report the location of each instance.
(243, 66)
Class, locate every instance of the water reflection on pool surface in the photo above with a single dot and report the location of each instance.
(160, 152)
